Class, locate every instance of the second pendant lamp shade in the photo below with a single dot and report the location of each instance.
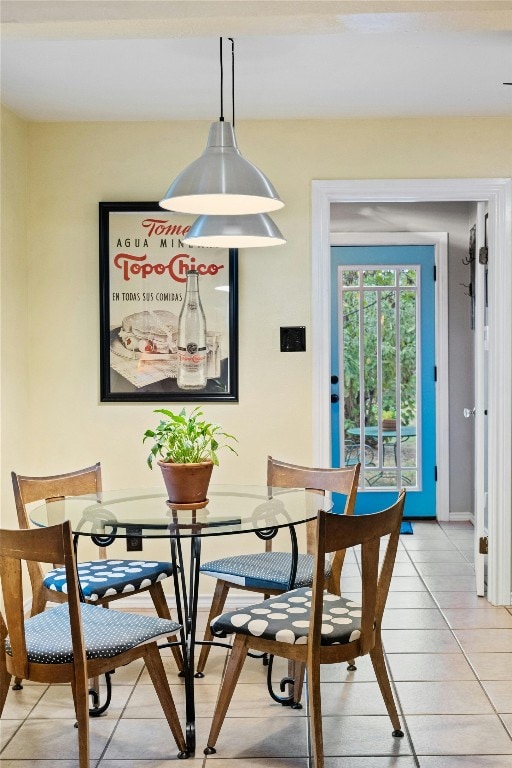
(221, 181)
(256, 230)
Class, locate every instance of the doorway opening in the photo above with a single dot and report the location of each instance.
(497, 194)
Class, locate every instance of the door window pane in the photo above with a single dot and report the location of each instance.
(378, 351)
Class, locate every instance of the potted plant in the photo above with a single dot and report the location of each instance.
(185, 448)
(389, 420)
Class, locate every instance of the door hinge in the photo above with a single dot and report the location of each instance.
(435, 473)
(435, 273)
(483, 255)
(435, 372)
(483, 545)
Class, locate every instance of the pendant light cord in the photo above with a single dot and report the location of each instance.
(221, 85)
(232, 81)
(233, 77)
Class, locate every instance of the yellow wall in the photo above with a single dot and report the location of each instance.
(73, 166)
(14, 352)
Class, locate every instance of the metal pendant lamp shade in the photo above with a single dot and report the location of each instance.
(255, 230)
(221, 181)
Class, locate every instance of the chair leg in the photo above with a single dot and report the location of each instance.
(80, 697)
(94, 682)
(5, 681)
(156, 671)
(233, 669)
(5, 676)
(216, 608)
(379, 666)
(298, 670)
(315, 708)
(333, 585)
(162, 609)
(38, 606)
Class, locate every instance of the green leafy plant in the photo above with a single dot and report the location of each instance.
(186, 439)
(383, 315)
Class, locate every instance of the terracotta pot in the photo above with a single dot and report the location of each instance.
(186, 483)
(389, 425)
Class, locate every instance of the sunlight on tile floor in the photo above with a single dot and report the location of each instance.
(450, 658)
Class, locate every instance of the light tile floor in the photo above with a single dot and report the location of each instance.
(450, 658)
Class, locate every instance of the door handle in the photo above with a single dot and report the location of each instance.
(469, 412)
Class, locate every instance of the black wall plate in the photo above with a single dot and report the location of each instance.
(293, 338)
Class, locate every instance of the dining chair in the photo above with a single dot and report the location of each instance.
(269, 572)
(315, 626)
(102, 581)
(74, 640)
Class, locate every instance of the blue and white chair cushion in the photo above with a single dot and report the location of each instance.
(265, 570)
(106, 633)
(105, 578)
(286, 617)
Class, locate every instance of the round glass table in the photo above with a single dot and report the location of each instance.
(145, 513)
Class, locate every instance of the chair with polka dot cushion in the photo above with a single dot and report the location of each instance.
(103, 580)
(268, 572)
(314, 626)
(73, 641)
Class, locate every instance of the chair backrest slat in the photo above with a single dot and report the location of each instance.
(31, 489)
(357, 529)
(334, 480)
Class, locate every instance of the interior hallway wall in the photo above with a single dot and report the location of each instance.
(16, 439)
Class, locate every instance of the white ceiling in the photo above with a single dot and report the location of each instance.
(159, 59)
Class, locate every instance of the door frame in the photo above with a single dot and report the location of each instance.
(481, 383)
(498, 194)
(440, 242)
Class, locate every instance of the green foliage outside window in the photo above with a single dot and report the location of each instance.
(392, 391)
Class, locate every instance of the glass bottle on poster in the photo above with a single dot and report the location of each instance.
(192, 349)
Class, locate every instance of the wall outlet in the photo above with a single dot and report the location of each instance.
(134, 538)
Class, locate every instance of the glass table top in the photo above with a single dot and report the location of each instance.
(231, 509)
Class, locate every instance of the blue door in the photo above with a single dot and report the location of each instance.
(383, 373)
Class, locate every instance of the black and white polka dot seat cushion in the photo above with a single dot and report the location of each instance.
(103, 578)
(264, 570)
(106, 633)
(285, 618)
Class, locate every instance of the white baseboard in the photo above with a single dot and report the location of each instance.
(459, 517)
(144, 602)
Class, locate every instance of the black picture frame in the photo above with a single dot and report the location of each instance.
(142, 274)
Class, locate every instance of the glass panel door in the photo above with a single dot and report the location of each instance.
(383, 353)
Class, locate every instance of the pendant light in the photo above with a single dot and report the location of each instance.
(221, 182)
(256, 230)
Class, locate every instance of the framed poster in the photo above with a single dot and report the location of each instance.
(168, 311)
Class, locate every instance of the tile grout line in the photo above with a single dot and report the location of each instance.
(395, 691)
(123, 709)
(23, 720)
